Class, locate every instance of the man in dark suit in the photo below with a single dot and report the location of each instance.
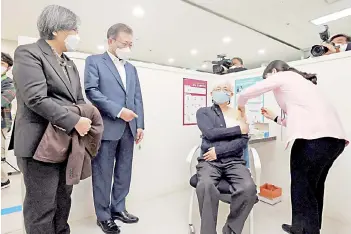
(112, 85)
(224, 139)
(46, 80)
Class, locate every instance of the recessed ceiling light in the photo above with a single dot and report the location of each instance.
(261, 51)
(332, 17)
(138, 12)
(193, 52)
(226, 39)
(171, 60)
(101, 47)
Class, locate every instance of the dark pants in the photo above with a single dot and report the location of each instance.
(309, 165)
(114, 160)
(47, 202)
(243, 195)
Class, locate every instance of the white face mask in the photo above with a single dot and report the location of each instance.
(342, 47)
(123, 53)
(3, 70)
(71, 42)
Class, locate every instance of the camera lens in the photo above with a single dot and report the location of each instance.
(318, 50)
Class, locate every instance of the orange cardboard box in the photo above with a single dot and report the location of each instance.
(270, 191)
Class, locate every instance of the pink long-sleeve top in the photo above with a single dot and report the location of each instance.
(309, 114)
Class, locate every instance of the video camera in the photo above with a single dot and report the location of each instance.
(319, 50)
(220, 67)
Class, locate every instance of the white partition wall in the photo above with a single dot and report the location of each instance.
(334, 79)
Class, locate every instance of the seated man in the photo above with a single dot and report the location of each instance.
(224, 138)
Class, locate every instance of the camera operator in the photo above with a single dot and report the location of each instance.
(237, 65)
(342, 43)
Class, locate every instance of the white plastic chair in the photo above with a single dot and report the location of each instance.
(255, 168)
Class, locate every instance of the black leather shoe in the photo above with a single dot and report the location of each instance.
(125, 217)
(287, 228)
(109, 226)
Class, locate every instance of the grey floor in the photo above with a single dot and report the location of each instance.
(166, 215)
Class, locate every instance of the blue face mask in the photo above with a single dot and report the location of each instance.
(220, 97)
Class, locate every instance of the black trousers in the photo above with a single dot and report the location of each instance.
(243, 195)
(309, 165)
(47, 202)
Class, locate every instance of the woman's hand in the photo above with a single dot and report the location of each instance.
(268, 113)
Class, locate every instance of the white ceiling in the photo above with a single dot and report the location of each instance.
(171, 28)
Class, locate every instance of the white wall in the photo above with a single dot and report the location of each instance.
(8, 46)
(334, 73)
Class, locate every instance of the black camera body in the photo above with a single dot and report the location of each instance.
(222, 65)
(320, 50)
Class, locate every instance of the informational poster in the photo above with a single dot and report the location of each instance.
(194, 97)
(253, 107)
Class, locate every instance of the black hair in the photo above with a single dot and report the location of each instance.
(7, 59)
(348, 38)
(283, 66)
(240, 60)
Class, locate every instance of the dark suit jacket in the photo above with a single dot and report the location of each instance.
(105, 89)
(229, 143)
(56, 146)
(42, 92)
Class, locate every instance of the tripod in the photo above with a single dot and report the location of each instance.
(11, 173)
(3, 159)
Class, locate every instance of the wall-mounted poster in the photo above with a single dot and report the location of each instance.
(194, 97)
(253, 107)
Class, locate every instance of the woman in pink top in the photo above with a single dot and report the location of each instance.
(314, 125)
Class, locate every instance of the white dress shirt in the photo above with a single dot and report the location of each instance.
(122, 73)
(120, 68)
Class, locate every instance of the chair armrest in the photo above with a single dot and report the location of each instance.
(191, 154)
(257, 166)
(191, 158)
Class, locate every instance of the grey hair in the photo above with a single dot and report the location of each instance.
(222, 83)
(115, 29)
(56, 18)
